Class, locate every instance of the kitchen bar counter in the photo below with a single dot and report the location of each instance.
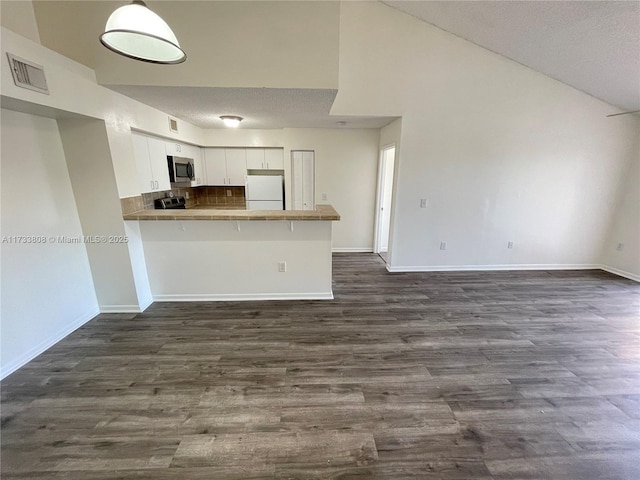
(322, 213)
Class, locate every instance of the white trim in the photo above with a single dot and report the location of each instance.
(121, 308)
(32, 353)
(482, 268)
(233, 297)
(621, 273)
(376, 222)
(352, 250)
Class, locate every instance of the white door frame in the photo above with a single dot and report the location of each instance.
(379, 197)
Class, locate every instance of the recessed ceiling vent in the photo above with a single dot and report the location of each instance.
(27, 74)
(173, 125)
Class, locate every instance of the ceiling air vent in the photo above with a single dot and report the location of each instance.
(27, 74)
(173, 125)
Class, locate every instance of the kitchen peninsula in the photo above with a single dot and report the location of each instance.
(201, 254)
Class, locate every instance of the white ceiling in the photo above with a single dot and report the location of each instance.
(260, 107)
(593, 46)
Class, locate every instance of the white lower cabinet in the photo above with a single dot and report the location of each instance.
(151, 163)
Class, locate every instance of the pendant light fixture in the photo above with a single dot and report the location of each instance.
(231, 120)
(136, 32)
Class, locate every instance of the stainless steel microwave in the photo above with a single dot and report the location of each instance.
(180, 169)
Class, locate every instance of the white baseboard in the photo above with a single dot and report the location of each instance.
(242, 297)
(621, 273)
(121, 308)
(352, 250)
(32, 353)
(484, 268)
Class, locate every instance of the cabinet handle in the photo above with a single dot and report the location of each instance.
(151, 183)
(267, 165)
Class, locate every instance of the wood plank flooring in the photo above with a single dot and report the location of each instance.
(422, 375)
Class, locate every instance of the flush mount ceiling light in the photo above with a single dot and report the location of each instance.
(231, 120)
(136, 32)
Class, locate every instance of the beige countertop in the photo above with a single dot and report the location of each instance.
(322, 212)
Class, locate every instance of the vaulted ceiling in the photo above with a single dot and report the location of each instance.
(591, 45)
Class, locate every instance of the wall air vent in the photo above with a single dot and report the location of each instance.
(173, 125)
(27, 74)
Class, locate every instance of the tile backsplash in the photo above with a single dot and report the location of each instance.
(214, 196)
(220, 196)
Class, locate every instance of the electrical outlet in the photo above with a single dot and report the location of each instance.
(228, 193)
(620, 247)
(423, 203)
(324, 196)
(510, 244)
(443, 245)
(282, 266)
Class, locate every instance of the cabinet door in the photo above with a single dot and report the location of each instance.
(198, 166)
(236, 166)
(255, 159)
(159, 167)
(175, 148)
(215, 166)
(143, 165)
(273, 158)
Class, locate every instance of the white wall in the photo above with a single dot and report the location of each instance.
(346, 170)
(47, 288)
(90, 167)
(625, 228)
(73, 89)
(202, 260)
(242, 137)
(229, 44)
(20, 17)
(501, 152)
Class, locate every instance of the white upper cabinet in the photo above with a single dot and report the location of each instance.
(274, 158)
(236, 166)
(215, 166)
(175, 148)
(151, 163)
(255, 158)
(226, 166)
(199, 177)
(265, 159)
(159, 165)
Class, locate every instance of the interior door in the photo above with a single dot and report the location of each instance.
(303, 179)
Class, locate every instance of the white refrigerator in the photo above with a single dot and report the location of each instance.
(265, 192)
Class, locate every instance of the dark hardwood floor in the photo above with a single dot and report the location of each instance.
(433, 375)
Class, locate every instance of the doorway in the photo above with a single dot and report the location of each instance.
(385, 196)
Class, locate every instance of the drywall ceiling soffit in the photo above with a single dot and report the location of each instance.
(593, 46)
(260, 107)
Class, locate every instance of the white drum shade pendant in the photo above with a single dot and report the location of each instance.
(136, 32)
